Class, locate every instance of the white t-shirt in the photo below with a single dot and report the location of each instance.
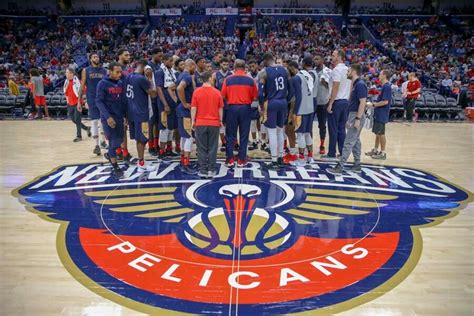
(447, 83)
(339, 74)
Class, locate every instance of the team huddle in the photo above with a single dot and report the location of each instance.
(267, 104)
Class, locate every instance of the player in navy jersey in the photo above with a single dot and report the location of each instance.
(178, 69)
(218, 78)
(154, 121)
(166, 88)
(201, 65)
(274, 94)
(185, 88)
(138, 88)
(156, 58)
(255, 123)
(123, 57)
(111, 103)
(90, 77)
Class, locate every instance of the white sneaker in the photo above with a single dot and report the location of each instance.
(310, 160)
(298, 163)
(211, 174)
(147, 167)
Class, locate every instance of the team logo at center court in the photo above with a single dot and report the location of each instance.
(248, 242)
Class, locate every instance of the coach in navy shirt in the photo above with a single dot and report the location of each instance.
(381, 116)
(355, 121)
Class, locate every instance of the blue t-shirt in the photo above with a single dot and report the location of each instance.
(359, 91)
(220, 79)
(136, 87)
(188, 93)
(382, 113)
(198, 79)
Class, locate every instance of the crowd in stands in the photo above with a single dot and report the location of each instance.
(430, 47)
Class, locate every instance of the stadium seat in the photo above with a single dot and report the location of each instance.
(8, 104)
(430, 106)
(21, 100)
(452, 107)
(397, 107)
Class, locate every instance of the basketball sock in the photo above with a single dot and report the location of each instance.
(308, 139)
(321, 142)
(310, 153)
(293, 151)
(273, 140)
(301, 156)
(280, 140)
(178, 148)
(95, 131)
(186, 161)
(182, 159)
(125, 152)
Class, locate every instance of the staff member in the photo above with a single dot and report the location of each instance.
(413, 93)
(71, 88)
(355, 121)
(381, 116)
(340, 88)
(239, 90)
(206, 115)
(322, 99)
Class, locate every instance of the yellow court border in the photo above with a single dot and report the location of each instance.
(96, 288)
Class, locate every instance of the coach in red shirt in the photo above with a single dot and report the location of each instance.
(206, 114)
(240, 91)
(413, 93)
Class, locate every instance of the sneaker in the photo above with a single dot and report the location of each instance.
(280, 162)
(298, 163)
(289, 158)
(188, 170)
(371, 153)
(222, 149)
(322, 150)
(103, 144)
(264, 146)
(120, 156)
(146, 167)
(379, 156)
(172, 154)
(328, 158)
(128, 158)
(356, 169)
(203, 174)
(337, 170)
(211, 174)
(152, 152)
(77, 139)
(253, 146)
(229, 163)
(117, 173)
(310, 160)
(89, 131)
(272, 165)
(241, 163)
(97, 151)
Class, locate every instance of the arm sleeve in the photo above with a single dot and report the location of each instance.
(296, 83)
(99, 101)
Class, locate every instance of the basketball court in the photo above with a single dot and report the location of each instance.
(395, 240)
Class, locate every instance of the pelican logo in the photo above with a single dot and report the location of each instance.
(251, 241)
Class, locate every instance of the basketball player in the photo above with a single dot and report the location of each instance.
(166, 88)
(156, 56)
(322, 99)
(185, 88)
(178, 69)
(274, 94)
(303, 113)
(201, 65)
(338, 104)
(123, 56)
(355, 121)
(138, 88)
(90, 77)
(290, 155)
(218, 77)
(255, 116)
(154, 121)
(111, 104)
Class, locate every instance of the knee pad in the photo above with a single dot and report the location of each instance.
(308, 139)
(300, 138)
(164, 135)
(253, 126)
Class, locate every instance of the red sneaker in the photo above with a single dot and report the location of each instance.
(229, 163)
(288, 158)
(322, 150)
(242, 163)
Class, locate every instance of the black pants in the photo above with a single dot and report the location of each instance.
(409, 107)
(76, 116)
(321, 113)
(207, 138)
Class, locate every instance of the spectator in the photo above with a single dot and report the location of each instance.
(412, 94)
(13, 87)
(71, 89)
